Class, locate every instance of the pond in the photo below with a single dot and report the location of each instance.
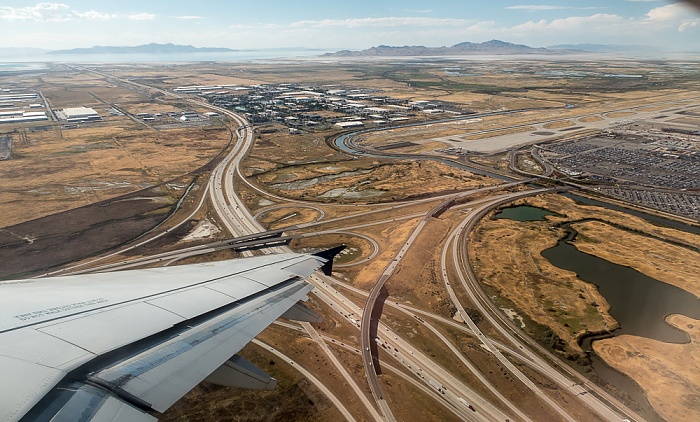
(638, 302)
(523, 213)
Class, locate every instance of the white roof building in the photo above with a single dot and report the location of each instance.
(78, 114)
(349, 124)
(20, 116)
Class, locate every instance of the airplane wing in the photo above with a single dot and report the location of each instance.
(124, 346)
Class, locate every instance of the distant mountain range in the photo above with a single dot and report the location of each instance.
(493, 47)
(463, 48)
(151, 48)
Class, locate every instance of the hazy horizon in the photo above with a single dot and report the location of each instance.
(360, 25)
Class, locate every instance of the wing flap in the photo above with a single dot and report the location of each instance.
(114, 410)
(161, 375)
(89, 402)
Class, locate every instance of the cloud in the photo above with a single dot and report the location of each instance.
(536, 7)
(94, 15)
(382, 22)
(142, 16)
(42, 12)
(685, 26)
(672, 15)
(50, 12)
(668, 12)
(189, 17)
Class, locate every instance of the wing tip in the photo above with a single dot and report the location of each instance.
(328, 255)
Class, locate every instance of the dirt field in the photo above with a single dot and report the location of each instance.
(58, 170)
(558, 125)
(668, 373)
(366, 181)
(45, 243)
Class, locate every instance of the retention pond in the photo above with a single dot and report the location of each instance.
(638, 302)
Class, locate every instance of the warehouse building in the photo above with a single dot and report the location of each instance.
(21, 116)
(78, 114)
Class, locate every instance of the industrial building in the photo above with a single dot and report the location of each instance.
(21, 116)
(78, 114)
(351, 124)
(18, 97)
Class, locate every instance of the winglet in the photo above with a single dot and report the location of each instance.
(328, 255)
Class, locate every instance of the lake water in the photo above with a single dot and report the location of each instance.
(638, 302)
(523, 213)
(33, 62)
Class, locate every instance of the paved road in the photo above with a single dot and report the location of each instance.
(512, 334)
(483, 338)
(344, 373)
(457, 408)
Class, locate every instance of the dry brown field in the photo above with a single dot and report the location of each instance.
(58, 169)
(590, 119)
(668, 373)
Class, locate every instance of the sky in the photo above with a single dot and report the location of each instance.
(344, 24)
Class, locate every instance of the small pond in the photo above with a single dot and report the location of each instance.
(523, 213)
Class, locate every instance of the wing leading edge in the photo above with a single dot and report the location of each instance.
(126, 345)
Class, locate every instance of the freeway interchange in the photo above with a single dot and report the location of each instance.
(374, 335)
(379, 344)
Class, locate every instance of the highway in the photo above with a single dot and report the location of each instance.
(463, 313)
(458, 408)
(370, 321)
(369, 347)
(234, 217)
(410, 357)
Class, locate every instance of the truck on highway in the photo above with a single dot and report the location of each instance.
(464, 402)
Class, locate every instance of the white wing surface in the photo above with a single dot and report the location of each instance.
(124, 346)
